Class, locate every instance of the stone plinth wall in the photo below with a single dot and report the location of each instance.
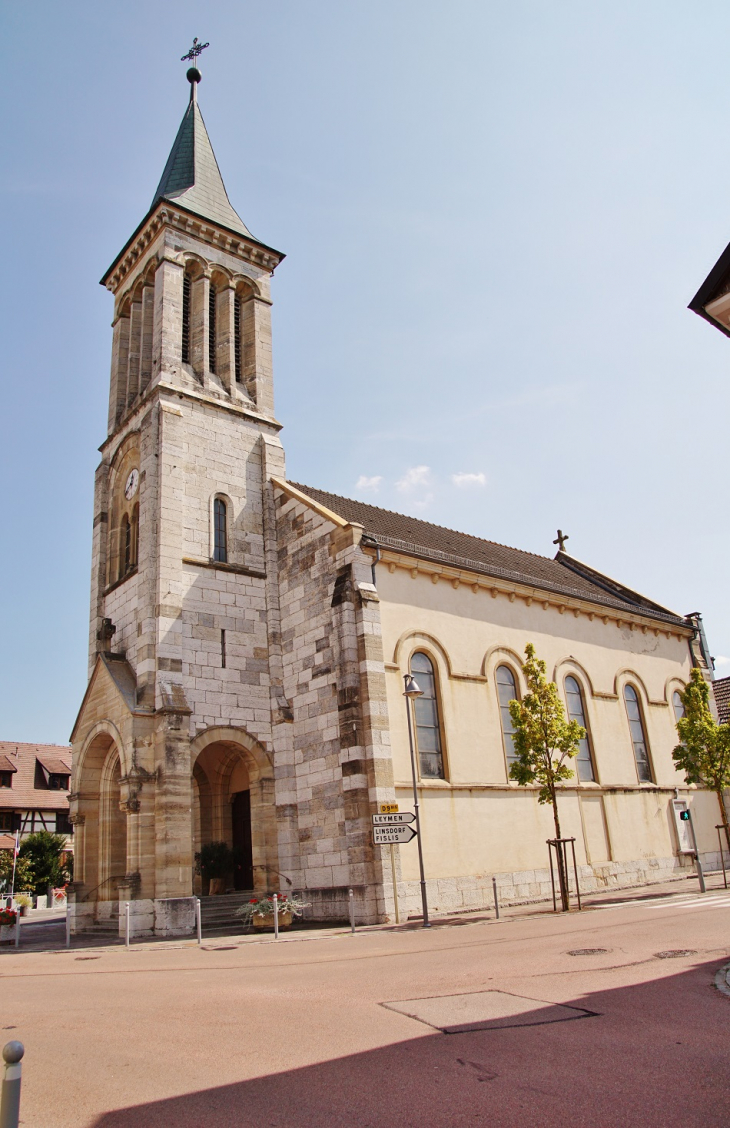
(170, 916)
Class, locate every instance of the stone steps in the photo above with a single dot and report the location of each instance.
(217, 914)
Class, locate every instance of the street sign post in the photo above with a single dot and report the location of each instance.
(394, 820)
(383, 835)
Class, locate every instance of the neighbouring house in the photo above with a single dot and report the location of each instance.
(34, 786)
(721, 690)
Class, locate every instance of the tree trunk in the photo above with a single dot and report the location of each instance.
(562, 869)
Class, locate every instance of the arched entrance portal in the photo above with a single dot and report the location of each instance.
(233, 802)
(100, 861)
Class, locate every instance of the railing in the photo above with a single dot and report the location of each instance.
(87, 896)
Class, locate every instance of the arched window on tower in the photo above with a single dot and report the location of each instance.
(126, 553)
(212, 327)
(186, 320)
(638, 735)
(220, 531)
(428, 719)
(506, 692)
(576, 712)
(237, 341)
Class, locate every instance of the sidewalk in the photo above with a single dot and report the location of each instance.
(44, 930)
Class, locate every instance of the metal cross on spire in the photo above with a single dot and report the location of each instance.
(196, 50)
(561, 539)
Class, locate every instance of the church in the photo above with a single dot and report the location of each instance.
(250, 635)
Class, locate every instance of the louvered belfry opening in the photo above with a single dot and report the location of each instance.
(211, 329)
(237, 340)
(186, 320)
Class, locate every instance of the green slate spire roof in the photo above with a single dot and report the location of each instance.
(192, 177)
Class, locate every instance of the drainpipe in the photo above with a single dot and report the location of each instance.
(695, 618)
(372, 543)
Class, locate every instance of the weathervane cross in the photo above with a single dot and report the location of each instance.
(196, 49)
(560, 542)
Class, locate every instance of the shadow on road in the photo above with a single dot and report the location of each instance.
(653, 1056)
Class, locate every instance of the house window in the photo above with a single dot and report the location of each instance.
(638, 736)
(576, 712)
(220, 534)
(212, 336)
(237, 351)
(678, 706)
(186, 320)
(57, 782)
(428, 721)
(6, 779)
(506, 692)
(63, 826)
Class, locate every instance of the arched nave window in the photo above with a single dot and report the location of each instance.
(428, 719)
(638, 735)
(506, 692)
(576, 712)
(220, 531)
(678, 706)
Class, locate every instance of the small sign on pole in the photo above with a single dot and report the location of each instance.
(394, 820)
(382, 835)
(388, 808)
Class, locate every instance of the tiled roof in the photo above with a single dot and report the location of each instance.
(721, 690)
(192, 178)
(24, 795)
(563, 575)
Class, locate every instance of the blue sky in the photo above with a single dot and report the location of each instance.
(494, 217)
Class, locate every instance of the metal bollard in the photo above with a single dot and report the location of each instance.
(496, 899)
(10, 1099)
(352, 912)
(126, 923)
(276, 917)
(198, 921)
(17, 928)
(68, 927)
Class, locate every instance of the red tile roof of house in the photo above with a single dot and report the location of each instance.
(721, 690)
(23, 795)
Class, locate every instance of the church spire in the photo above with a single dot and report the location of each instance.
(191, 177)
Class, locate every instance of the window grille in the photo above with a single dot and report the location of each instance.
(428, 721)
(186, 320)
(237, 339)
(220, 533)
(576, 712)
(211, 329)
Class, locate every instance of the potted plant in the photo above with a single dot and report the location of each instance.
(7, 924)
(23, 902)
(214, 861)
(259, 911)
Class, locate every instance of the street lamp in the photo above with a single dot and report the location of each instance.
(411, 692)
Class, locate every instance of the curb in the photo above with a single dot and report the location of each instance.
(722, 980)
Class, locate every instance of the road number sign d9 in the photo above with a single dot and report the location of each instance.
(388, 808)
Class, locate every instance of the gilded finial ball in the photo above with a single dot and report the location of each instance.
(194, 75)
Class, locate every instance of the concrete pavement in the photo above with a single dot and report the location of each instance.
(304, 1032)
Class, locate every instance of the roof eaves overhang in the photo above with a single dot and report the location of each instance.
(708, 291)
(163, 202)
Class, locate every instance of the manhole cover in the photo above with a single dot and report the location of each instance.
(223, 948)
(485, 1010)
(87, 957)
(675, 953)
(589, 951)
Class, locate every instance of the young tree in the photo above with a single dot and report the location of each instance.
(23, 875)
(704, 754)
(43, 851)
(545, 743)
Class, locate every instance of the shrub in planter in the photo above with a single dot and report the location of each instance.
(259, 911)
(214, 861)
(24, 902)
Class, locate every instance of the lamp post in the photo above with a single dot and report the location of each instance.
(412, 691)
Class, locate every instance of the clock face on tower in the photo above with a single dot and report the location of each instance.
(132, 484)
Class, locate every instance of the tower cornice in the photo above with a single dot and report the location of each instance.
(165, 214)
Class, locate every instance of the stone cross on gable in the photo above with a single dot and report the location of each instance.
(561, 539)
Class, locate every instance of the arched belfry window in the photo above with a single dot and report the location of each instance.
(638, 735)
(506, 692)
(186, 319)
(576, 712)
(212, 327)
(237, 340)
(220, 531)
(126, 545)
(428, 719)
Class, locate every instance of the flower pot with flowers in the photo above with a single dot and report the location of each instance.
(7, 925)
(259, 911)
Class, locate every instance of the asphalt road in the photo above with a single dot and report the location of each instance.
(296, 1033)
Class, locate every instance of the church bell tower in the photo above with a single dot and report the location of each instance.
(173, 742)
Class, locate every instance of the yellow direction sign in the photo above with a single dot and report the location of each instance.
(388, 808)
